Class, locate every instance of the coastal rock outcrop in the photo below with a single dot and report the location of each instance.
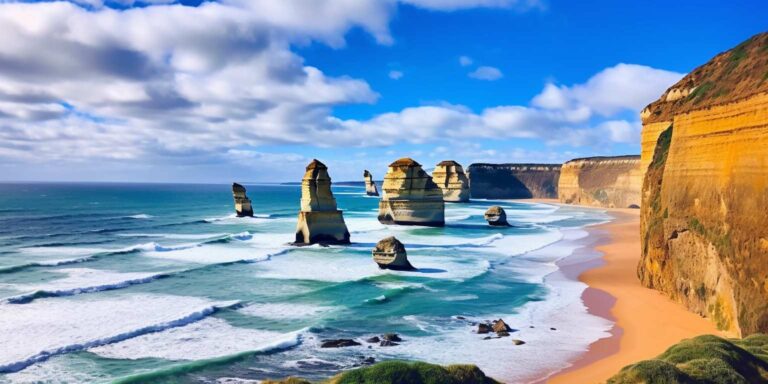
(410, 196)
(243, 206)
(370, 185)
(319, 219)
(610, 182)
(450, 177)
(496, 216)
(513, 181)
(390, 253)
(704, 227)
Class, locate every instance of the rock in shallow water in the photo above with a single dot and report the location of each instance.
(338, 343)
(496, 216)
(390, 253)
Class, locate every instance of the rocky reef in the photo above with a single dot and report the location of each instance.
(390, 253)
(319, 219)
(704, 359)
(496, 216)
(450, 177)
(410, 196)
(243, 206)
(513, 181)
(370, 185)
(704, 227)
(610, 182)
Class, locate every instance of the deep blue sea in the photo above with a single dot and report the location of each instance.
(162, 283)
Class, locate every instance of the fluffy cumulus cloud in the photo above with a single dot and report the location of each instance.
(486, 73)
(90, 81)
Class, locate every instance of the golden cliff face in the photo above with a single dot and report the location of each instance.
(450, 177)
(611, 182)
(410, 196)
(704, 218)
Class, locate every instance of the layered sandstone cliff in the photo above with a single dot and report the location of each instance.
(370, 185)
(243, 206)
(450, 177)
(513, 181)
(611, 182)
(319, 219)
(410, 196)
(704, 218)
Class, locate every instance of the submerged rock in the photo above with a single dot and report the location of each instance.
(370, 185)
(450, 177)
(484, 328)
(388, 343)
(390, 253)
(319, 219)
(391, 337)
(410, 196)
(372, 340)
(518, 342)
(496, 216)
(243, 206)
(339, 343)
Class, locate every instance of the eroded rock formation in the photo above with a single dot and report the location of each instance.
(450, 177)
(513, 181)
(319, 219)
(704, 217)
(611, 182)
(496, 216)
(410, 196)
(243, 206)
(390, 253)
(370, 185)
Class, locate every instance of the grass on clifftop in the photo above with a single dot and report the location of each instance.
(400, 372)
(704, 359)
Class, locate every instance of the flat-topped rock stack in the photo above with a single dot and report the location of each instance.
(243, 206)
(410, 196)
(370, 185)
(390, 253)
(450, 177)
(319, 219)
(496, 216)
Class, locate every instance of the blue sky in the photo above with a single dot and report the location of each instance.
(253, 90)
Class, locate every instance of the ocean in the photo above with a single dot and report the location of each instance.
(162, 283)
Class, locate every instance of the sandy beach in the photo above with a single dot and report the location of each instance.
(646, 322)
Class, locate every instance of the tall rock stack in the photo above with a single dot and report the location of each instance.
(410, 196)
(243, 206)
(450, 177)
(370, 185)
(319, 219)
(610, 182)
(704, 221)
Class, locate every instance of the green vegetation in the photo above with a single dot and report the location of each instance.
(700, 91)
(662, 148)
(704, 359)
(697, 226)
(401, 372)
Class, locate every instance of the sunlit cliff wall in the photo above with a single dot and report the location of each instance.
(611, 182)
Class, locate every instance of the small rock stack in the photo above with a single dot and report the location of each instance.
(243, 206)
(319, 219)
(390, 253)
(370, 185)
(496, 216)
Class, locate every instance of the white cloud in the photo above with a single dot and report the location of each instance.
(395, 75)
(450, 5)
(465, 61)
(486, 73)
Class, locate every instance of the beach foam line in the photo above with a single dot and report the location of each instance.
(196, 315)
(140, 216)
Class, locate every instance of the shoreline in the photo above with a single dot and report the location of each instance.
(645, 322)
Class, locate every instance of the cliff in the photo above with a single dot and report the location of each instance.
(319, 219)
(370, 185)
(410, 196)
(450, 177)
(610, 182)
(513, 181)
(704, 227)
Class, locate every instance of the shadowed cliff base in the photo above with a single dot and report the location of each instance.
(513, 181)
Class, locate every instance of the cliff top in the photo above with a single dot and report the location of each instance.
(237, 188)
(606, 158)
(405, 162)
(316, 164)
(513, 165)
(730, 76)
(447, 163)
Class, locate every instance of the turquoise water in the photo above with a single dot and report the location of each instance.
(161, 283)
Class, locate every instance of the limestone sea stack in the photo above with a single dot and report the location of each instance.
(370, 185)
(703, 220)
(319, 219)
(410, 196)
(243, 206)
(496, 216)
(450, 177)
(390, 253)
